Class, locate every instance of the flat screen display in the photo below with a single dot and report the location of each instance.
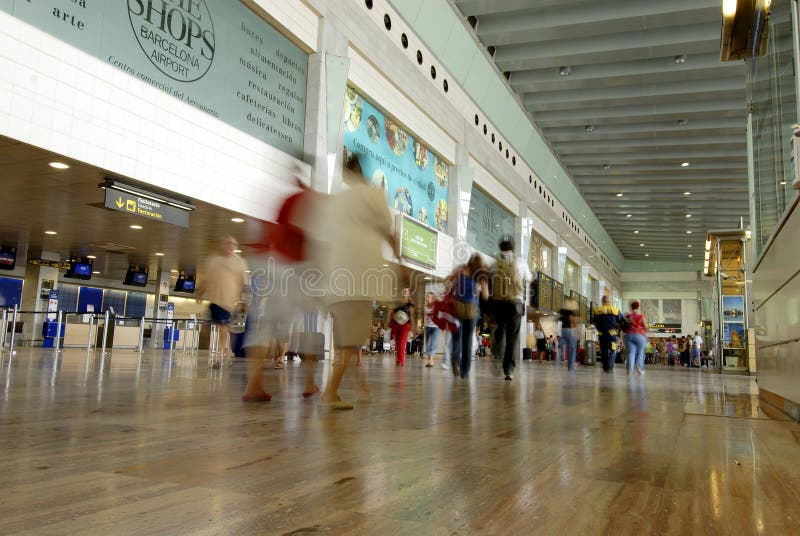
(136, 278)
(184, 284)
(8, 258)
(82, 270)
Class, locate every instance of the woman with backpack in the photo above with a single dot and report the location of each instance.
(469, 283)
(635, 328)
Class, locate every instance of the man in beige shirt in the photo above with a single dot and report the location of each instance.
(224, 280)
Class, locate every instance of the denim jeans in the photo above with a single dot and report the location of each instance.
(431, 338)
(508, 316)
(569, 346)
(462, 345)
(635, 343)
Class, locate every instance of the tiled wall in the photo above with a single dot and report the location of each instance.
(63, 100)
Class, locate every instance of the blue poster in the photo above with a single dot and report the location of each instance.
(733, 308)
(414, 177)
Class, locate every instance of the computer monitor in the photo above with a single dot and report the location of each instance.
(8, 257)
(136, 276)
(79, 268)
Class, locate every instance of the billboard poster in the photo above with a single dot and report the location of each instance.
(217, 56)
(488, 222)
(414, 178)
(733, 308)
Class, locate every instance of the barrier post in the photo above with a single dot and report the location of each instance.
(13, 330)
(141, 335)
(57, 345)
(171, 337)
(105, 333)
(4, 329)
(194, 337)
(184, 338)
(89, 342)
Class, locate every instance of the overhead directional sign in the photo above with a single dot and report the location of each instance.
(146, 207)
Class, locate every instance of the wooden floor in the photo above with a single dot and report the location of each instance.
(165, 446)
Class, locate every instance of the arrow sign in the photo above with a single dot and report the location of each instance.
(146, 207)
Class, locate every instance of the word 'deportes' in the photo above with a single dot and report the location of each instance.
(176, 35)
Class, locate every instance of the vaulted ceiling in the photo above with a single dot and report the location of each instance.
(633, 100)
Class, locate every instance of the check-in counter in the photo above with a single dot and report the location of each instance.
(126, 337)
(76, 335)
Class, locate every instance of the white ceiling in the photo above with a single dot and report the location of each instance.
(36, 198)
(628, 115)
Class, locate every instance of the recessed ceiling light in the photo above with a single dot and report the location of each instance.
(96, 272)
(687, 193)
(91, 257)
(690, 255)
(682, 122)
(565, 70)
(641, 245)
(237, 250)
(688, 215)
(679, 59)
(646, 254)
(159, 254)
(588, 128)
(688, 245)
(247, 271)
(619, 194)
(50, 232)
(628, 215)
(688, 232)
(59, 165)
(684, 164)
(237, 220)
(174, 271)
(606, 167)
(636, 232)
(137, 227)
(783, 183)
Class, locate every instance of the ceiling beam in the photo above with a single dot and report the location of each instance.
(584, 97)
(536, 25)
(524, 81)
(578, 146)
(648, 111)
(635, 44)
(649, 127)
(652, 155)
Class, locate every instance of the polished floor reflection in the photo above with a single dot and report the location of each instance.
(160, 445)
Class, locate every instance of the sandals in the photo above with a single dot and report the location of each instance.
(260, 397)
(307, 394)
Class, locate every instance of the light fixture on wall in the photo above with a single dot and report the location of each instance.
(565, 70)
(679, 59)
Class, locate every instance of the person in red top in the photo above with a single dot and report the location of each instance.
(635, 338)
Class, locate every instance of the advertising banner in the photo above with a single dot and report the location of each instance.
(414, 178)
(215, 55)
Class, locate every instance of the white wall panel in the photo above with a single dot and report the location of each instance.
(491, 185)
(295, 16)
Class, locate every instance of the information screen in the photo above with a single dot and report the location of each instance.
(418, 243)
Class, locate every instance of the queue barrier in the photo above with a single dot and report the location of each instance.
(95, 336)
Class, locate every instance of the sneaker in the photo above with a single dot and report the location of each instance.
(508, 377)
(445, 366)
(641, 373)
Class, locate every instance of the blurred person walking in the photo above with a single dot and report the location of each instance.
(358, 223)
(607, 319)
(510, 277)
(431, 329)
(223, 284)
(401, 321)
(569, 332)
(541, 342)
(469, 284)
(635, 338)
